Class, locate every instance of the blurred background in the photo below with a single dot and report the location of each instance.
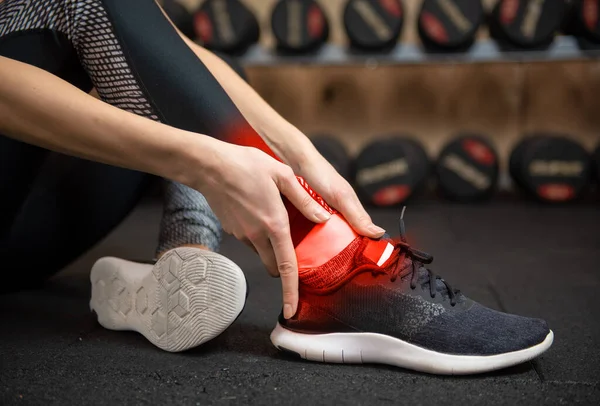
(515, 69)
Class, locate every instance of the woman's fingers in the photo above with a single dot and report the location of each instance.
(346, 201)
(264, 249)
(287, 267)
(290, 187)
(279, 257)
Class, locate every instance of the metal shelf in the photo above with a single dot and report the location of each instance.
(564, 48)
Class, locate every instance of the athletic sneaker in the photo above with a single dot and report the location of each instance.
(187, 298)
(389, 308)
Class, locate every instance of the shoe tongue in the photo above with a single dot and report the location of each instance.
(378, 252)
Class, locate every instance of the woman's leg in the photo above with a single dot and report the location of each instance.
(72, 204)
(187, 220)
(67, 211)
(20, 162)
(19, 165)
(54, 207)
(134, 57)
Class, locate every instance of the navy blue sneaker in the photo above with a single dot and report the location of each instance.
(390, 309)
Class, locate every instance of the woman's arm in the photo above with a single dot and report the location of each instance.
(38, 108)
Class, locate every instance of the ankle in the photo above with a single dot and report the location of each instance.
(324, 242)
(333, 271)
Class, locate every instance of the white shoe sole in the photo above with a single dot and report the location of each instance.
(187, 298)
(359, 348)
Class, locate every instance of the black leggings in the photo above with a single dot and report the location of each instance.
(56, 207)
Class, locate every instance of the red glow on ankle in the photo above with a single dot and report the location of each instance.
(324, 242)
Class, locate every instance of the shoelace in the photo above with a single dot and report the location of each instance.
(418, 259)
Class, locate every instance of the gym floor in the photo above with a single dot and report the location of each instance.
(514, 256)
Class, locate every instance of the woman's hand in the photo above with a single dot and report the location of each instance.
(337, 192)
(244, 187)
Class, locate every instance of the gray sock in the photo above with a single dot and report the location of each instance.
(187, 219)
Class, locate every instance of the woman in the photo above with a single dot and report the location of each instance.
(53, 52)
(193, 122)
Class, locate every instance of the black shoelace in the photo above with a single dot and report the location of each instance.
(417, 261)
